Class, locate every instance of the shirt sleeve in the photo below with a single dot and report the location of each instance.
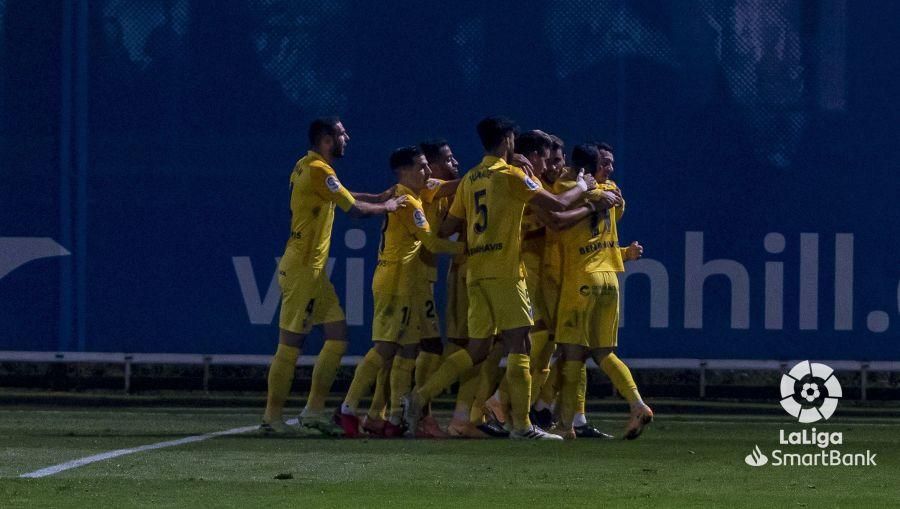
(457, 208)
(413, 218)
(328, 187)
(521, 186)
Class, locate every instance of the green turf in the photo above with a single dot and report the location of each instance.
(682, 461)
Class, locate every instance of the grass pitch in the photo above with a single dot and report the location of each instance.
(681, 461)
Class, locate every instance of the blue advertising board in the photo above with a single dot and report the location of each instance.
(145, 149)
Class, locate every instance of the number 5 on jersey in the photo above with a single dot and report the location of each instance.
(482, 210)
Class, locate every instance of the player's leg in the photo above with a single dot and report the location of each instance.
(603, 346)
(375, 360)
(281, 376)
(428, 359)
(462, 364)
(489, 377)
(298, 292)
(401, 384)
(512, 311)
(326, 312)
(374, 421)
(544, 406)
(640, 413)
(572, 357)
(431, 348)
(577, 304)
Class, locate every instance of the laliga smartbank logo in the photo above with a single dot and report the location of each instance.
(810, 393)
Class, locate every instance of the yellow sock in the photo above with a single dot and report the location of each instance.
(488, 378)
(540, 362)
(426, 364)
(581, 401)
(281, 375)
(468, 386)
(568, 393)
(326, 367)
(553, 383)
(503, 391)
(451, 369)
(621, 377)
(366, 373)
(380, 394)
(518, 377)
(401, 383)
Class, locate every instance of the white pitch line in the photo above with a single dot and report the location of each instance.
(80, 462)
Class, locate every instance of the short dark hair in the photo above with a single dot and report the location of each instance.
(556, 142)
(585, 156)
(322, 126)
(404, 156)
(602, 145)
(432, 148)
(532, 141)
(492, 131)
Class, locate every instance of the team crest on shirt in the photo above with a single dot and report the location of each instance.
(333, 184)
(531, 184)
(433, 183)
(419, 218)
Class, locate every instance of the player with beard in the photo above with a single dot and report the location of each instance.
(308, 298)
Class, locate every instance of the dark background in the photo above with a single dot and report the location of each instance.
(154, 139)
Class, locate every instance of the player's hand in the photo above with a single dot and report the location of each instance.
(606, 200)
(634, 251)
(585, 182)
(395, 203)
(522, 162)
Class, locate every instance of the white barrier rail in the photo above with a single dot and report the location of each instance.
(702, 365)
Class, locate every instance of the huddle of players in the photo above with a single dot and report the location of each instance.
(533, 273)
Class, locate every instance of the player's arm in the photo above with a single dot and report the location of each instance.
(447, 188)
(414, 220)
(543, 200)
(326, 184)
(566, 218)
(364, 209)
(435, 244)
(374, 198)
(455, 220)
(451, 225)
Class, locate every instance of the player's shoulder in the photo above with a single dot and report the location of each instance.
(314, 161)
(518, 175)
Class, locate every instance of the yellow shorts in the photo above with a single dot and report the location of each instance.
(550, 296)
(457, 314)
(533, 282)
(589, 311)
(307, 298)
(497, 304)
(396, 318)
(429, 326)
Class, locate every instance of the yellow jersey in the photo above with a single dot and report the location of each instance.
(491, 199)
(592, 244)
(435, 211)
(403, 233)
(315, 190)
(532, 230)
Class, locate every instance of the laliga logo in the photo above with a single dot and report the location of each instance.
(810, 392)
